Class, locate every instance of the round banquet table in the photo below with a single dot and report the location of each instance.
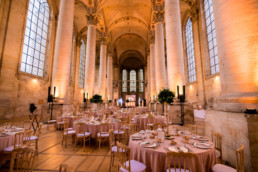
(7, 140)
(155, 159)
(94, 129)
(70, 119)
(142, 121)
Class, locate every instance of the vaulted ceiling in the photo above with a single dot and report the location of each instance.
(126, 21)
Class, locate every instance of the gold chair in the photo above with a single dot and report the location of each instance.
(157, 125)
(24, 159)
(67, 133)
(81, 134)
(150, 123)
(112, 147)
(49, 122)
(121, 131)
(240, 165)
(35, 138)
(124, 162)
(184, 162)
(103, 135)
(20, 139)
(190, 128)
(27, 124)
(216, 138)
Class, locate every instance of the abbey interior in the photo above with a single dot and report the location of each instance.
(129, 85)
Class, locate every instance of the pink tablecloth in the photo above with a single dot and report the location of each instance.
(70, 119)
(95, 129)
(6, 141)
(142, 121)
(155, 159)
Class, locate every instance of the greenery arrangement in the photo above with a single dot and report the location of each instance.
(96, 99)
(166, 96)
(110, 101)
(127, 101)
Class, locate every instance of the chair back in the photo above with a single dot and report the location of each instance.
(103, 128)
(216, 138)
(190, 128)
(38, 130)
(21, 137)
(65, 125)
(123, 155)
(26, 137)
(240, 165)
(24, 159)
(79, 127)
(27, 124)
(182, 161)
(111, 138)
(157, 125)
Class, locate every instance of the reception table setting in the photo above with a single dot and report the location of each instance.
(150, 147)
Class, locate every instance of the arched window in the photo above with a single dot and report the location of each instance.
(35, 39)
(211, 35)
(140, 75)
(124, 78)
(132, 81)
(190, 51)
(82, 64)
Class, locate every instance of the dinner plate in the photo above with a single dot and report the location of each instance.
(202, 146)
(153, 145)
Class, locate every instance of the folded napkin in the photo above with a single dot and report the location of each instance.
(183, 149)
(144, 143)
(173, 149)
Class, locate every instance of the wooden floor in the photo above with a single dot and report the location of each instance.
(52, 154)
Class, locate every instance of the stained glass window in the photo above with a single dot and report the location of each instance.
(132, 81)
(82, 64)
(141, 87)
(124, 78)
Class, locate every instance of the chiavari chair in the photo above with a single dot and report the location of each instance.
(103, 135)
(157, 125)
(50, 122)
(190, 128)
(240, 165)
(181, 162)
(67, 133)
(112, 147)
(22, 159)
(81, 134)
(124, 162)
(216, 138)
(35, 138)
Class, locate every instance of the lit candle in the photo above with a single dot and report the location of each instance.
(117, 103)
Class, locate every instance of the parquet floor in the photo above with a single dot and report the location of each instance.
(52, 154)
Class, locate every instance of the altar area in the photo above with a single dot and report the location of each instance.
(132, 100)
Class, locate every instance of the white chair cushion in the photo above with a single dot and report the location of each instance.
(120, 132)
(10, 148)
(114, 149)
(69, 129)
(222, 168)
(150, 124)
(70, 132)
(176, 170)
(59, 123)
(52, 121)
(86, 134)
(103, 135)
(33, 138)
(135, 166)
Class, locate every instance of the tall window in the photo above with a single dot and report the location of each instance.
(124, 78)
(140, 75)
(132, 81)
(211, 34)
(190, 51)
(35, 39)
(82, 64)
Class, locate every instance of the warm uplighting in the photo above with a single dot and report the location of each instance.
(35, 81)
(81, 91)
(217, 78)
(191, 87)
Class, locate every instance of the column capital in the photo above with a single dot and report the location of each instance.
(92, 19)
(151, 36)
(158, 16)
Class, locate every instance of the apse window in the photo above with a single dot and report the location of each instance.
(190, 51)
(124, 84)
(211, 36)
(132, 81)
(35, 38)
(82, 64)
(141, 88)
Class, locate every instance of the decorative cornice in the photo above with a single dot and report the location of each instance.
(158, 17)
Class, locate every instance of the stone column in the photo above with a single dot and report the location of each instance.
(237, 41)
(63, 50)
(147, 77)
(90, 56)
(109, 75)
(175, 63)
(160, 53)
(152, 68)
(102, 69)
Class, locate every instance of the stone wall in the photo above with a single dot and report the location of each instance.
(237, 129)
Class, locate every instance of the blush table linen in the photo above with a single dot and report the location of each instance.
(142, 121)
(155, 159)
